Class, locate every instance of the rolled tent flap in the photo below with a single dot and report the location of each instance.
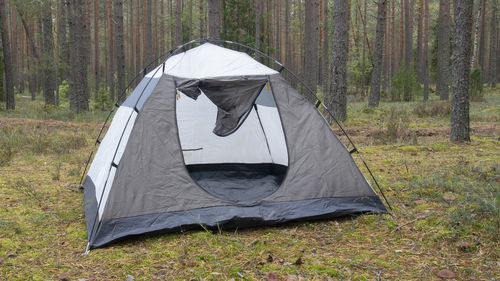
(233, 96)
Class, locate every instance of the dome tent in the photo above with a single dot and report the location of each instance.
(212, 137)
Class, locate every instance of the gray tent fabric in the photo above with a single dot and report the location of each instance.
(150, 188)
(233, 96)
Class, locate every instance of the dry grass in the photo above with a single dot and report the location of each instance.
(43, 235)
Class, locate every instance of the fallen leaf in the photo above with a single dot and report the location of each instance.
(446, 274)
(271, 276)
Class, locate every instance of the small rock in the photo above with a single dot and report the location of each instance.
(63, 276)
(446, 274)
(271, 276)
(287, 263)
(419, 202)
(449, 197)
(130, 277)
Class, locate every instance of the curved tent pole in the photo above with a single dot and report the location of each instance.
(173, 51)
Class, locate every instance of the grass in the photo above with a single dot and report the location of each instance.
(43, 234)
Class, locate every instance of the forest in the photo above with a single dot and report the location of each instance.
(411, 82)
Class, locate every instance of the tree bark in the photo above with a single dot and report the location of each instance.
(178, 22)
(325, 61)
(419, 57)
(257, 25)
(492, 71)
(110, 77)
(460, 127)
(476, 35)
(119, 51)
(363, 75)
(311, 42)
(425, 67)
(374, 98)
(443, 51)
(148, 40)
(96, 46)
(337, 98)
(48, 86)
(202, 19)
(214, 19)
(7, 58)
(79, 57)
(482, 41)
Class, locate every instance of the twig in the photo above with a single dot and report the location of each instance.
(412, 221)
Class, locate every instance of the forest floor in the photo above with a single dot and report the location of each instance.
(445, 199)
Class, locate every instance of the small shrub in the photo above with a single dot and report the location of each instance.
(396, 129)
(102, 100)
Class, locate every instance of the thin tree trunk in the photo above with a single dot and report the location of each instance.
(162, 27)
(257, 25)
(47, 58)
(96, 46)
(425, 70)
(202, 20)
(178, 22)
(148, 40)
(401, 51)
(492, 71)
(7, 58)
(374, 98)
(443, 51)
(419, 57)
(363, 74)
(138, 36)
(311, 42)
(337, 98)
(482, 41)
(476, 35)
(214, 19)
(460, 126)
(325, 61)
(119, 51)
(190, 6)
(111, 50)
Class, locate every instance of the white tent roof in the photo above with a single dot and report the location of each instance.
(209, 60)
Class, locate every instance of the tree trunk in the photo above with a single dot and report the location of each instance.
(311, 42)
(257, 25)
(214, 19)
(492, 71)
(401, 51)
(119, 51)
(374, 98)
(482, 41)
(425, 67)
(443, 51)
(148, 40)
(7, 58)
(363, 74)
(460, 127)
(202, 19)
(47, 57)
(419, 57)
(79, 57)
(96, 46)
(162, 27)
(325, 61)
(111, 50)
(337, 98)
(476, 35)
(138, 37)
(178, 22)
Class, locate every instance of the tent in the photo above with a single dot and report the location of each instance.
(213, 138)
